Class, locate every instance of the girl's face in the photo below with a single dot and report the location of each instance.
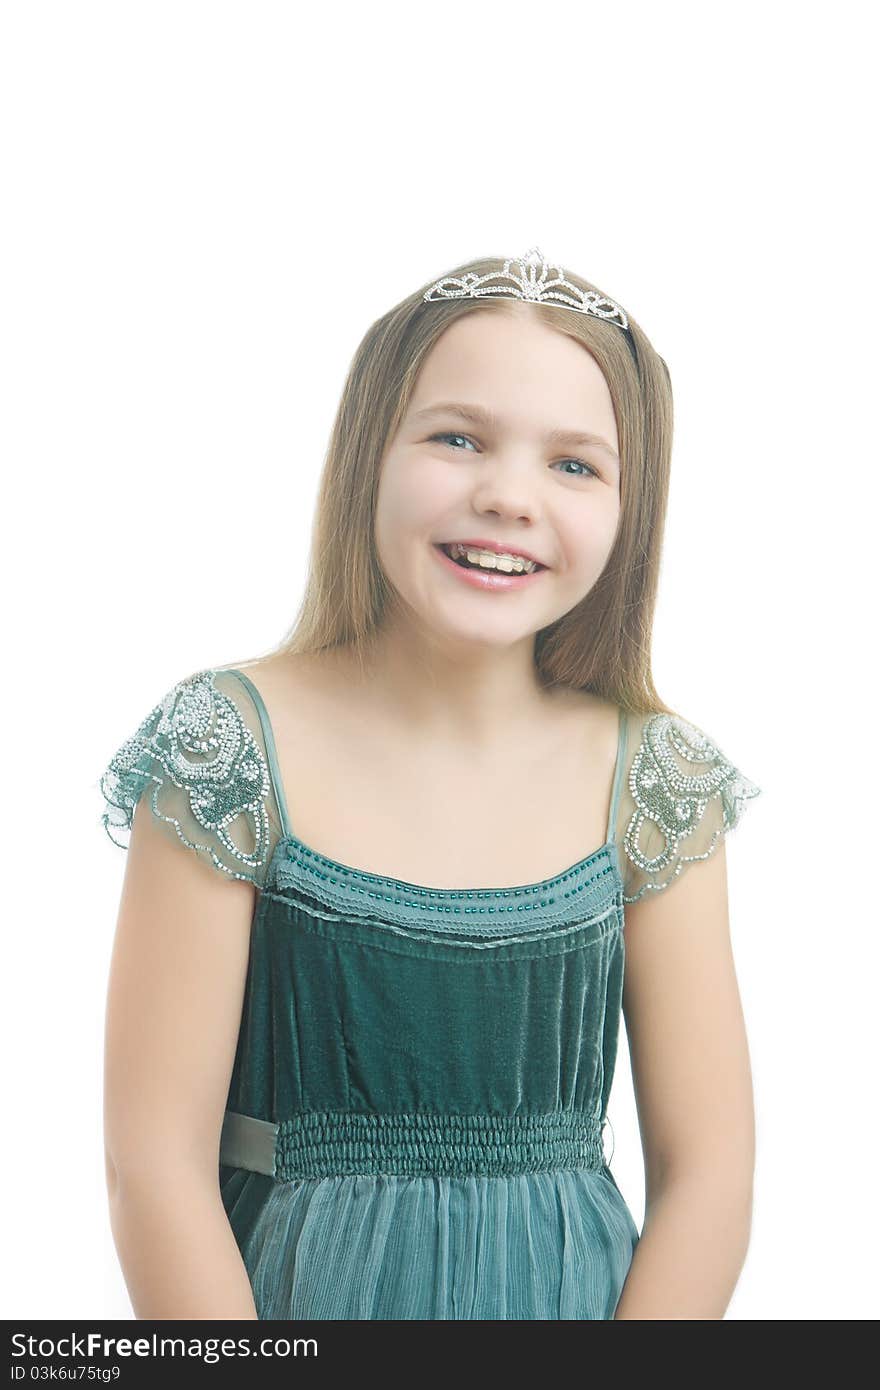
(500, 478)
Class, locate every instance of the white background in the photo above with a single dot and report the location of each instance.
(206, 205)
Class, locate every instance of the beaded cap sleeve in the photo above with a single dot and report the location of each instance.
(680, 794)
(200, 758)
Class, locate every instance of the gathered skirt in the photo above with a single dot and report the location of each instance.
(544, 1245)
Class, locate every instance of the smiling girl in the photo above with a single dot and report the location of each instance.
(391, 888)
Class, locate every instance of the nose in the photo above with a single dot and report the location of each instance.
(506, 492)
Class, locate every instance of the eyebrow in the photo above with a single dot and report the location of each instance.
(479, 415)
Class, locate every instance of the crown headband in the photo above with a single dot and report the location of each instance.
(533, 283)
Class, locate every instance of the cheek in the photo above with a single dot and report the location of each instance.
(588, 537)
(411, 502)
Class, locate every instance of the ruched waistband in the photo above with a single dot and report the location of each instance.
(317, 1144)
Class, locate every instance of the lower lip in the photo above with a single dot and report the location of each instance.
(487, 579)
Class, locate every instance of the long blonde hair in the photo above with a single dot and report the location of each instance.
(604, 643)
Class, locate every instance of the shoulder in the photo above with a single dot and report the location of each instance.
(583, 713)
(299, 692)
(680, 795)
(297, 679)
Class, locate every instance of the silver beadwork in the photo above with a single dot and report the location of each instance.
(674, 800)
(537, 281)
(196, 740)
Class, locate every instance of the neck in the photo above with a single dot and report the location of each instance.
(469, 692)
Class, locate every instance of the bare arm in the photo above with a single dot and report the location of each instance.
(176, 988)
(693, 1087)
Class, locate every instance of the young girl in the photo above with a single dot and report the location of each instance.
(369, 963)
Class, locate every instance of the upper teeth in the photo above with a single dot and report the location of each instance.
(491, 560)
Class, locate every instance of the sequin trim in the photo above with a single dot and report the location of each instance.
(675, 800)
(195, 739)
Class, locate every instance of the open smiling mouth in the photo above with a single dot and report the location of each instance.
(495, 571)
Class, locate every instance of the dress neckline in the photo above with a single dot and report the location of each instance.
(585, 892)
(292, 851)
(296, 848)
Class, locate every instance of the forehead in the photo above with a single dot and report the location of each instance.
(530, 376)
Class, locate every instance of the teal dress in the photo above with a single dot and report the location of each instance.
(414, 1124)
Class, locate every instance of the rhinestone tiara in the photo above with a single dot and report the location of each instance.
(537, 280)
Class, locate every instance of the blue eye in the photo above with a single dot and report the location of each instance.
(591, 471)
(449, 436)
(588, 466)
